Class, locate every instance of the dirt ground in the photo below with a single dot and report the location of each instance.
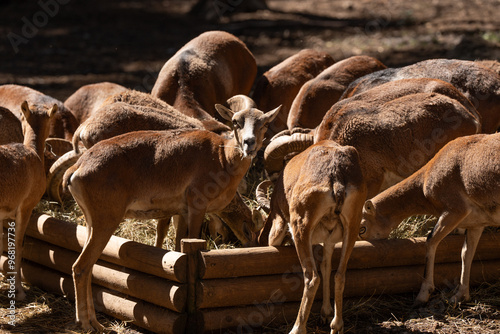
(56, 46)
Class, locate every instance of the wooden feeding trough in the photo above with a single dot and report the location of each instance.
(196, 291)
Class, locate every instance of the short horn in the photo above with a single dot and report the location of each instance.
(261, 195)
(278, 149)
(240, 102)
(56, 173)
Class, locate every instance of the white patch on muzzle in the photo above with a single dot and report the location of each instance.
(248, 139)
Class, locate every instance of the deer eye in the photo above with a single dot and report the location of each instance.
(236, 125)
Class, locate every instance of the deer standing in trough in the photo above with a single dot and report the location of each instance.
(22, 177)
(319, 197)
(158, 174)
(460, 186)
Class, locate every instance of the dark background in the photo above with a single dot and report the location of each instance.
(56, 46)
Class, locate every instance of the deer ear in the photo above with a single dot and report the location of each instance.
(369, 208)
(271, 115)
(25, 109)
(53, 110)
(225, 112)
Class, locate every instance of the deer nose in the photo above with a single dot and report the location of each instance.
(249, 142)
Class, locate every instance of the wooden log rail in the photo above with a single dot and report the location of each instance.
(120, 251)
(198, 291)
(255, 287)
(121, 306)
(131, 281)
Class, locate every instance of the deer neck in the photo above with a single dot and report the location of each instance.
(32, 141)
(402, 200)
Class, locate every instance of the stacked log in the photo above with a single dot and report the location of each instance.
(197, 290)
(131, 281)
(257, 287)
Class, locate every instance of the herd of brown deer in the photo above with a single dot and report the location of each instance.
(351, 147)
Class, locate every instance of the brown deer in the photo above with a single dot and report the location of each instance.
(132, 111)
(281, 83)
(207, 70)
(22, 178)
(475, 80)
(460, 186)
(319, 94)
(88, 99)
(158, 174)
(396, 128)
(319, 198)
(63, 123)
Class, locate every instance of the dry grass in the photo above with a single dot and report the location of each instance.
(395, 314)
(416, 226)
(43, 312)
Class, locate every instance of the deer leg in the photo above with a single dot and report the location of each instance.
(99, 232)
(195, 222)
(351, 220)
(181, 230)
(263, 238)
(277, 231)
(326, 271)
(468, 250)
(311, 282)
(161, 231)
(447, 222)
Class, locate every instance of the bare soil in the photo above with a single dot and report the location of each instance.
(56, 46)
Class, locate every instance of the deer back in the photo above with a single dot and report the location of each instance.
(399, 136)
(62, 125)
(479, 84)
(10, 127)
(89, 98)
(209, 69)
(318, 94)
